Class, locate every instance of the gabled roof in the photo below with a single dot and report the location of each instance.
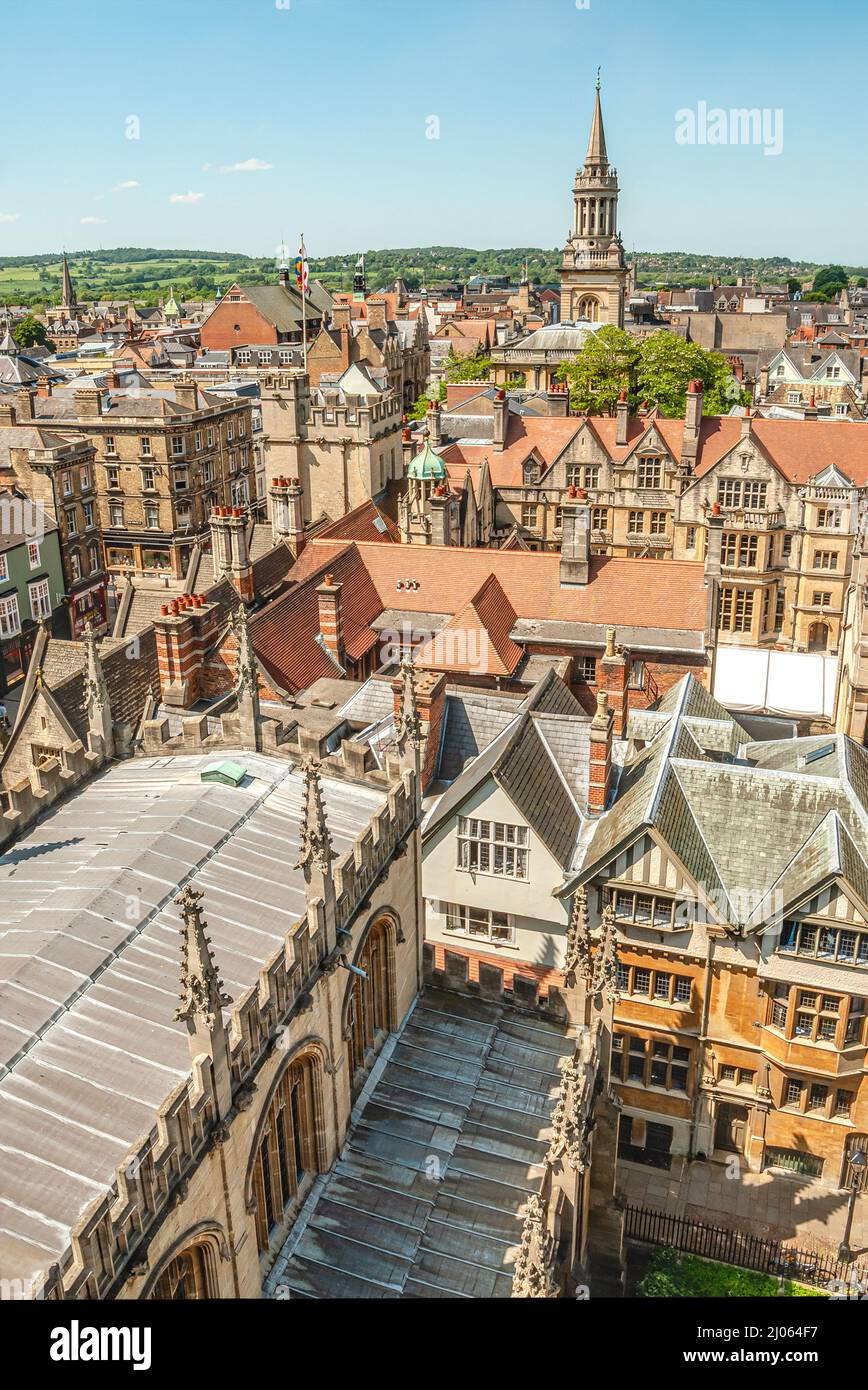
(802, 814)
(540, 760)
(476, 640)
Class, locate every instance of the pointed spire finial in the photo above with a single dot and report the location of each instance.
(408, 726)
(202, 994)
(599, 70)
(597, 157)
(578, 960)
(316, 841)
(534, 1263)
(96, 691)
(246, 678)
(605, 979)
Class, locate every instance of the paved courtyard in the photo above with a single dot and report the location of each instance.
(779, 1206)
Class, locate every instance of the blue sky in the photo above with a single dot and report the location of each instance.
(337, 96)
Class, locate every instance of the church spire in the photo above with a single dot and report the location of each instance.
(67, 296)
(597, 158)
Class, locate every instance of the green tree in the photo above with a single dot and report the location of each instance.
(861, 283)
(830, 281)
(605, 366)
(419, 409)
(29, 331)
(668, 364)
(793, 286)
(470, 367)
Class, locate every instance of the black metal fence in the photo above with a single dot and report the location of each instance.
(818, 1268)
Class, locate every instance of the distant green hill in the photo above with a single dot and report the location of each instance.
(144, 273)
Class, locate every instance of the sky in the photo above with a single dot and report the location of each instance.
(221, 125)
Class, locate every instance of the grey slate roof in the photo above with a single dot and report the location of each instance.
(755, 824)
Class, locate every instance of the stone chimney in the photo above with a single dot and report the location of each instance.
(576, 540)
(24, 407)
(440, 504)
(230, 551)
(187, 394)
(622, 420)
(558, 399)
(331, 623)
(88, 403)
(763, 382)
(341, 315)
(375, 310)
(7, 413)
(692, 424)
(434, 424)
(600, 756)
(746, 423)
(501, 417)
(287, 513)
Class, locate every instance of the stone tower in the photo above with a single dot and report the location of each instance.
(594, 273)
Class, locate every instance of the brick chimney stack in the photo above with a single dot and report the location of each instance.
(24, 408)
(185, 630)
(600, 756)
(431, 704)
(230, 551)
(622, 420)
(88, 403)
(613, 679)
(440, 503)
(187, 393)
(375, 309)
(331, 617)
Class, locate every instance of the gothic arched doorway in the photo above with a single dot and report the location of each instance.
(818, 637)
(371, 1006)
(287, 1150)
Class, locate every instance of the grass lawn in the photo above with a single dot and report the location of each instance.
(673, 1275)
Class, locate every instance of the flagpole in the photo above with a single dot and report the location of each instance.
(303, 300)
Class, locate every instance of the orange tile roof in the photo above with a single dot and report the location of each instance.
(476, 639)
(633, 593)
(799, 449)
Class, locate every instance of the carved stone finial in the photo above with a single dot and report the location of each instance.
(533, 1275)
(408, 726)
(316, 843)
(96, 696)
(578, 961)
(246, 678)
(201, 987)
(569, 1142)
(605, 979)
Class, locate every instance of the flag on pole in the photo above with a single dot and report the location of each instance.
(302, 269)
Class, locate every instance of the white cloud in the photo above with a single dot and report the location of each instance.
(186, 197)
(9, 216)
(127, 183)
(92, 221)
(247, 166)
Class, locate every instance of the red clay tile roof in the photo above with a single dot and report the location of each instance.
(284, 633)
(799, 449)
(665, 593)
(477, 638)
(359, 525)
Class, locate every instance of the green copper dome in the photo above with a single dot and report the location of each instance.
(427, 465)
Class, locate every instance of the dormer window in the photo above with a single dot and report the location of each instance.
(531, 472)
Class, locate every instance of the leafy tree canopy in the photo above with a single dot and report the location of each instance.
(29, 331)
(656, 370)
(467, 368)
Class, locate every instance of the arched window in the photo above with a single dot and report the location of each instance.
(370, 1012)
(188, 1275)
(589, 308)
(287, 1148)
